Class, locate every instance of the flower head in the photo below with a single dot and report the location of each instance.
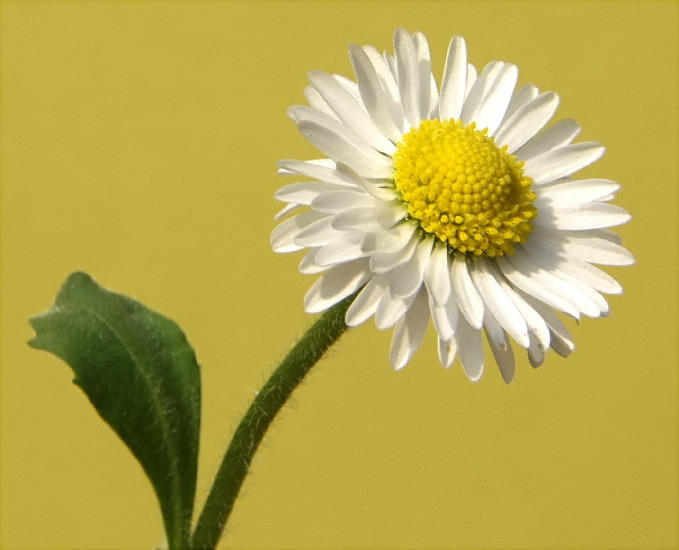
(449, 202)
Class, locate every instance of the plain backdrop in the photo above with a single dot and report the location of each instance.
(139, 143)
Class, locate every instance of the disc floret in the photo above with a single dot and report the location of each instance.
(462, 189)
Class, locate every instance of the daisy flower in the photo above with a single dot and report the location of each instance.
(451, 203)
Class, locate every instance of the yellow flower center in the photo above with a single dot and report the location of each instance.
(461, 188)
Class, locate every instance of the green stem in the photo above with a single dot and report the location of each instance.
(236, 463)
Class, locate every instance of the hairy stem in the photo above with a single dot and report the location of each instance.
(269, 400)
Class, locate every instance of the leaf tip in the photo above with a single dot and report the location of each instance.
(35, 323)
(33, 342)
(77, 279)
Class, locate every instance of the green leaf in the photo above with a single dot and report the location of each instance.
(141, 375)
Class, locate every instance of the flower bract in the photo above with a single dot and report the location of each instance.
(455, 202)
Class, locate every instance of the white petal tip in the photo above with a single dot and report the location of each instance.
(351, 322)
(535, 363)
(458, 40)
(383, 324)
(507, 377)
(313, 307)
(292, 113)
(285, 249)
(399, 365)
(563, 348)
(476, 323)
(523, 341)
(313, 303)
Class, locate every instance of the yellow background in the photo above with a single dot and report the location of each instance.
(139, 143)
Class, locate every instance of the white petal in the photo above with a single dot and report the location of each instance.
(408, 75)
(368, 218)
(454, 80)
(437, 275)
(598, 251)
(479, 90)
(389, 241)
(434, 98)
(425, 76)
(527, 121)
(592, 215)
(522, 96)
(583, 296)
(593, 276)
(498, 304)
(564, 161)
(386, 74)
(365, 304)
(407, 278)
(342, 250)
(452, 311)
(309, 265)
(493, 329)
(590, 248)
(376, 102)
(470, 80)
(537, 328)
(283, 236)
(501, 348)
(445, 317)
(599, 302)
(561, 340)
(558, 135)
(340, 147)
(441, 325)
(572, 193)
(350, 86)
(286, 210)
(317, 102)
(598, 233)
(390, 310)
(338, 201)
(536, 353)
(386, 217)
(350, 111)
(304, 192)
(390, 60)
(383, 262)
(335, 285)
(317, 233)
(470, 349)
(302, 114)
(495, 102)
(536, 283)
(312, 170)
(409, 332)
(561, 345)
(447, 350)
(547, 266)
(376, 220)
(386, 194)
(442, 320)
(465, 293)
